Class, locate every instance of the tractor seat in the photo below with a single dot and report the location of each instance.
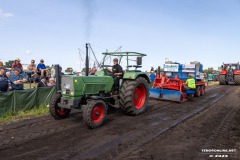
(136, 66)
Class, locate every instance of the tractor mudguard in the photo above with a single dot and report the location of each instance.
(236, 72)
(135, 75)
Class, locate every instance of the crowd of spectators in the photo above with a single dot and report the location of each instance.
(15, 78)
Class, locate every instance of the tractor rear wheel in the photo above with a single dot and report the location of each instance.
(94, 113)
(134, 96)
(197, 91)
(202, 88)
(237, 79)
(56, 111)
(222, 79)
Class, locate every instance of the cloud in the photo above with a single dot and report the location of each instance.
(5, 15)
(28, 51)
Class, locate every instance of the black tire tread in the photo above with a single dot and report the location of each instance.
(126, 94)
(196, 91)
(53, 108)
(87, 110)
(222, 79)
(237, 79)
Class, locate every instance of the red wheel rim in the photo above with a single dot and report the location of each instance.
(97, 113)
(61, 110)
(199, 91)
(203, 90)
(139, 96)
(182, 97)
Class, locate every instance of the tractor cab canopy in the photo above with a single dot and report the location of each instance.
(129, 57)
(234, 66)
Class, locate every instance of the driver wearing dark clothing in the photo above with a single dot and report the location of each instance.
(117, 75)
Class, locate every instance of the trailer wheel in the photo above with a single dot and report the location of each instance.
(198, 91)
(222, 79)
(56, 111)
(134, 96)
(94, 113)
(237, 79)
(202, 90)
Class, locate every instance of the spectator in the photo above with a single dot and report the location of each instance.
(30, 69)
(42, 68)
(17, 64)
(4, 81)
(152, 69)
(35, 76)
(53, 72)
(8, 74)
(152, 76)
(93, 71)
(42, 83)
(17, 79)
(1, 63)
(51, 82)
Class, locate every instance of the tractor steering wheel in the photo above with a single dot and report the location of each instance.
(107, 72)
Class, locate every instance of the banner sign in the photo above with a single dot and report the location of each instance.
(171, 67)
(188, 68)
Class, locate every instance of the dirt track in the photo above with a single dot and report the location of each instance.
(168, 130)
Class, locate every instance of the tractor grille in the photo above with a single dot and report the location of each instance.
(67, 84)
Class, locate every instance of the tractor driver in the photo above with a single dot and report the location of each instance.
(117, 74)
(190, 82)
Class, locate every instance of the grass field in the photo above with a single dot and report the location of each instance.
(24, 114)
(28, 85)
(211, 83)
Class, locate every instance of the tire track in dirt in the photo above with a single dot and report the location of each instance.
(152, 133)
(114, 132)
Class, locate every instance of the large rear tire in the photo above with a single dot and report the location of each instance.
(222, 79)
(197, 91)
(134, 96)
(94, 113)
(237, 79)
(56, 111)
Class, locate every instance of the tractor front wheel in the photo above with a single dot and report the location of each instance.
(222, 79)
(94, 113)
(237, 79)
(134, 96)
(56, 111)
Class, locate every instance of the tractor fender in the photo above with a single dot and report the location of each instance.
(135, 75)
(223, 72)
(236, 72)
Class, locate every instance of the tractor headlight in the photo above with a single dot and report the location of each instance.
(67, 86)
(72, 93)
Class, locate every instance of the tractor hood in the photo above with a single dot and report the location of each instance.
(77, 86)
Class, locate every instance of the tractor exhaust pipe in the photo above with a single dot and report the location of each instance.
(87, 60)
(158, 71)
(58, 77)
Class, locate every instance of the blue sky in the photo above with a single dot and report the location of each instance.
(179, 30)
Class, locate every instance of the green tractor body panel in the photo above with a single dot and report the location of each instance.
(77, 86)
(133, 75)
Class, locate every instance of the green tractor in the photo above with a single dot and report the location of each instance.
(93, 94)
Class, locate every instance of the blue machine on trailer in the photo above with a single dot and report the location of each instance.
(170, 85)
